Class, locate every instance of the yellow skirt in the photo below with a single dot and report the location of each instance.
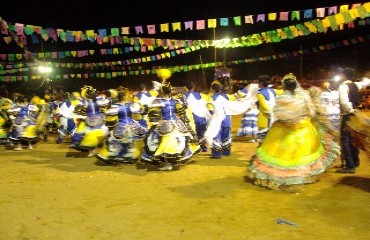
(292, 154)
(291, 145)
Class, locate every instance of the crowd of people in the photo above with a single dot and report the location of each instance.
(300, 132)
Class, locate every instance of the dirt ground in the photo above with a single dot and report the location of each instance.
(52, 192)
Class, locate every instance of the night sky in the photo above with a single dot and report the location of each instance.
(84, 15)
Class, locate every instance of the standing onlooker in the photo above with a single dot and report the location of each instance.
(349, 100)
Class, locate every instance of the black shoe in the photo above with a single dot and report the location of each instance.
(214, 157)
(346, 170)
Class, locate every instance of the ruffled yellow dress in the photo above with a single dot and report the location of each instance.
(295, 150)
(359, 127)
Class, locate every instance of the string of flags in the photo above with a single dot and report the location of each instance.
(119, 35)
(135, 71)
(334, 22)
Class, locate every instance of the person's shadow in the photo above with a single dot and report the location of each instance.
(357, 182)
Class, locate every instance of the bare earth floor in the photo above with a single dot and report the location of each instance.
(52, 192)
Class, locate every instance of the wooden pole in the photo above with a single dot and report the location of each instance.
(214, 39)
(301, 65)
(203, 85)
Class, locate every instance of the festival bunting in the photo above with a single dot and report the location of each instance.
(101, 36)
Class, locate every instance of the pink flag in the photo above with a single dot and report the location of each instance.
(283, 16)
(320, 12)
(261, 18)
(99, 39)
(248, 19)
(189, 25)
(151, 29)
(4, 28)
(200, 24)
(139, 29)
(333, 10)
(19, 28)
(52, 34)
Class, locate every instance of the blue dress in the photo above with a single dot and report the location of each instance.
(169, 140)
(122, 144)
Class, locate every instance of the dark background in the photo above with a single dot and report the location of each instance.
(84, 15)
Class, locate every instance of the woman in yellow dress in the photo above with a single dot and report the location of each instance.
(359, 127)
(295, 150)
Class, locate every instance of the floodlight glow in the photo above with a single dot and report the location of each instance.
(43, 69)
(224, 42)
(336, 78)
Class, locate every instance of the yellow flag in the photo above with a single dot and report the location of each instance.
(176, 26)
(271, 16)
(164, 27)
(212, 23)
(325, 22)
(90, 33)
(367, 7)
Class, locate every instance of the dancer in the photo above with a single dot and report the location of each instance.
(144, 98)
(294, 151)
(23, 130)
(91, 131)
(197, 104)
(67, 123)
(248, 125)
(5, 121)
(358, 126)
(110, 120)
(266, 102)
(329, 99)
(120, 146)
(218, 134)
(167, 142)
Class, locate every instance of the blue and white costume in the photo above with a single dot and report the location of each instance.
(120, 145)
